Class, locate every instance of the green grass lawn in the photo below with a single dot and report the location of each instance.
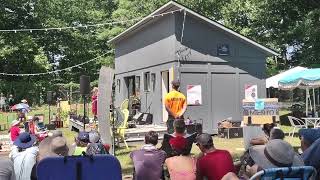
(234, 146)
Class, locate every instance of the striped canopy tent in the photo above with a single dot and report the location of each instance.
(274, 80)
(307, 79)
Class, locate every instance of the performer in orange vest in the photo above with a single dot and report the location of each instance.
(176, 105)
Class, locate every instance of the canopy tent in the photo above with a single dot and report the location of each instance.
(274, 80)
(309, 78)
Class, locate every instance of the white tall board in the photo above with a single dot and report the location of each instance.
(104, 101)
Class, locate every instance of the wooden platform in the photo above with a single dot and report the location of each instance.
(138, 133)
(132, 134)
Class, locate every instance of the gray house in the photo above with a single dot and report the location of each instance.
(212, 62)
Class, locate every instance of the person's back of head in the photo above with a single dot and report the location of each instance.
(175, 84)
(94, 137)
(55, 133)
(205, 142)
(267, 128)
(308, 136)
(151, 138)
(276, 153)
(35, 119)
(179, 126)
(83, 139)
(276, 133)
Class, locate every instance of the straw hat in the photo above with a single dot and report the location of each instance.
(53, 146)
(276, 153)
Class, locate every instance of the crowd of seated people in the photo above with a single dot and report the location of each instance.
(212, 163)
(151, 162)
(180, 164)
(27, 151)
(31, 125)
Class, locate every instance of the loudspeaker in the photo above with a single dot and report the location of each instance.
(137, 117)
(50, 126)
(49, 96)
(84, 85)
(146, 119)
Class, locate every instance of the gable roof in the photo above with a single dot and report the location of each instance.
(173, 6)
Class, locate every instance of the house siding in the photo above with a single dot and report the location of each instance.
(157, 48)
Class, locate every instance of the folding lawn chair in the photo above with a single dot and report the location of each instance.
(286, 173)
(99, 167)
(41, 126)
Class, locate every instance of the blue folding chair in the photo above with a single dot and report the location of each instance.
(100, 167)
(287, 173)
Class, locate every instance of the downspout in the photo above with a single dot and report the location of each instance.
(181, 40)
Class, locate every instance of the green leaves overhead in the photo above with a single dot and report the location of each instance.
(292, 27)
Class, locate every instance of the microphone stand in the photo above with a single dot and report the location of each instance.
(84, 112)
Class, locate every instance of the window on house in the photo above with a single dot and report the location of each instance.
(137, 81)
(118, 85)
(146, 81)
(153, 81)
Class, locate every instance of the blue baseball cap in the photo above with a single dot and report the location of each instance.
(83, 136)
(310, 135)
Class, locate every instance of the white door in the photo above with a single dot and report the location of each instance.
(164, 90)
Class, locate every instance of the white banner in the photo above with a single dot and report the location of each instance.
(251, 92)
(194, 96)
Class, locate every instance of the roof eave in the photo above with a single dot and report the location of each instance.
(265, 49)
(172, 3)
(142, 21)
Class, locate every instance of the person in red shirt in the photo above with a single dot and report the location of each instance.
(215, 163)
(94, 99)
(14, 130)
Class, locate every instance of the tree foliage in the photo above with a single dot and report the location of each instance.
(291, 27)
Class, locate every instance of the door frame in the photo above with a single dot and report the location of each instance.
(165, 88)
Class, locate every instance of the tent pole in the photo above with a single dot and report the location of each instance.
(310, 103)
(314, 102)
(307, 102)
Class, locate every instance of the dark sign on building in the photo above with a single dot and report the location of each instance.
(223, 50)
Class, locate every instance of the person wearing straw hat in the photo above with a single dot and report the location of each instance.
(54, 147)
(14, 130)
(23, 155)
(276, 153)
